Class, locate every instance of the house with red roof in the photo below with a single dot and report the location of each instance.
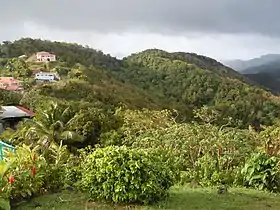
(11, 84)
(45, 57)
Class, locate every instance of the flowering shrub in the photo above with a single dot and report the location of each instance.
(124, 175)
(25, 175)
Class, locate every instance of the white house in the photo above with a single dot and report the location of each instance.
(45, 57)
(46, 76)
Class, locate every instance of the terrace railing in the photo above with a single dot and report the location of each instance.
(4, 149)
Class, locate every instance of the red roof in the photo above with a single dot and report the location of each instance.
(8, 80)
(13, 88)
(26, 110)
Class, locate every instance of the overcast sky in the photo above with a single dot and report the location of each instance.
(222, 29)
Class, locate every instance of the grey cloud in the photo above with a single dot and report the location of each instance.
(161, 16)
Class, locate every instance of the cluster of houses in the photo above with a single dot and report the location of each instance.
(10, 116)
(13, 84)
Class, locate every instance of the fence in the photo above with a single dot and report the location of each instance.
(5, 148)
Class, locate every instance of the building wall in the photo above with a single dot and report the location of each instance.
(49, 77)
(46, 58)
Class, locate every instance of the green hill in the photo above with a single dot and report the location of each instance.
(152, 79)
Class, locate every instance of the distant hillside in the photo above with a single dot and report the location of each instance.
(267, 76)
(200, 61)
(269, 81)
(269, 67)
(187, 81)
(242, 65)
(153, 79)
(264, 71)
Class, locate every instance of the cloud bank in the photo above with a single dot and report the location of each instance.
(223, 29)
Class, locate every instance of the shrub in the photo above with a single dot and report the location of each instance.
(206, 154)
(74, 167)
(25, 175)
(27, 172)
(123, 175)
(57, 157)
(210, 171)
(262, 171)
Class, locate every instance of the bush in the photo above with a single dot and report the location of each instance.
(211, 171)
(262, 171)
(57, 157)
(73, 168)
(123, 175)
(25, 175)
(206, 154)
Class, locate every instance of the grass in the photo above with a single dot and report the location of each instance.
(181, 198)
(208, 199)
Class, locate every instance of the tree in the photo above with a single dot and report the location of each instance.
(18, 68)
(50, 126)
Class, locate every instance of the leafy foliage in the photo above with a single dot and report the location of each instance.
(262, 171)
(152, 79)
(70, 53)
(18, 68)
(76, 126)
(9, 98)
(188, 82)
(123, 175)
(25, 175)
(153, 114)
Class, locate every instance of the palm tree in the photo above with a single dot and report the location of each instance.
(50, 126)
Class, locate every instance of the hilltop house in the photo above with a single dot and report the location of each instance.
(46, 77)
(10, 84)
(45, 57)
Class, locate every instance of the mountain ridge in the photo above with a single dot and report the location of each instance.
(242, 65)
(153, 79)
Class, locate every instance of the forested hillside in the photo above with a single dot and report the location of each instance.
(150, 79)
(267, 75)
(126, 131)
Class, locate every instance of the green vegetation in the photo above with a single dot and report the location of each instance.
(9, 98)
(180, 198)
(119, 175)
(126, 131)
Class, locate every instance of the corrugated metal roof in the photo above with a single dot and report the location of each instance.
(15, 112)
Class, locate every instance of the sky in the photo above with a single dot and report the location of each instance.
(221, 29)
